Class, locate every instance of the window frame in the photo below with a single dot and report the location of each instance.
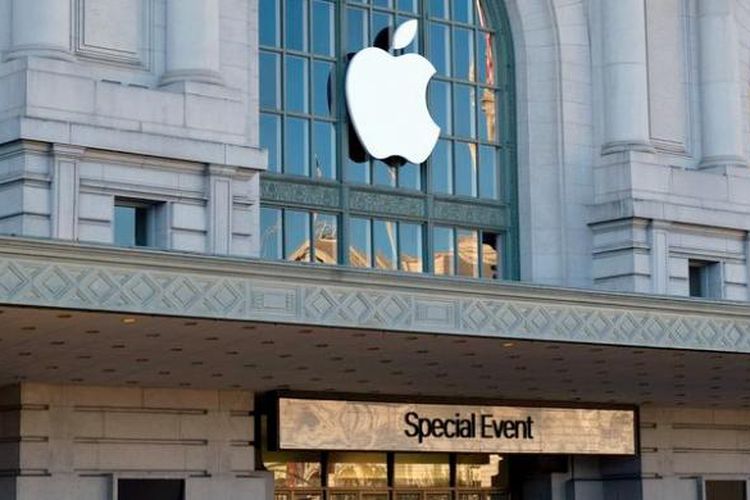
(343, 189)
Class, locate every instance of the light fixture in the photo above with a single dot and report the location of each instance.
(128, 321)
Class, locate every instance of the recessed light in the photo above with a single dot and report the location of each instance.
(386, 361)
(131, 382)
(249, 327)
(153, 335)
(306, 331)
(164, 372)
(250, 365)
(373, 348)
(197, 363)
(267, 377)
(232, 353)
(64, 316)
(422, 351)
(303, 368)
(508, 345)
(217, 375)
(264, 342)
(76, 380)
(24, 354)
(92, 331)
(118, 346)
(28, 328)
(321, 346)
(397, 373)
(129, 321)
(191, 323)
(52, 367)
(57, 342)
(109, 370)
(285, 356)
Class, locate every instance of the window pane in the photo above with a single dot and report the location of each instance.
(357, 29)
(726, 490)
(488, 181)
(151, 489)
(296, 24)
(485, 58)
(325, 232)
(384, 235)
(487, 115)
(463, 54)
(410, 176)
(408, 5)
(442, 167)
(466, 169)
(323, 74)
(141, 227)
(297, 236)
(410, 247)
(124, 225)
(383, 174)
(270, 77)
(270, 233)
(440, 8)
(270, 139)
(355, 470)
(324, 139)
(360, 243)
(440, 106)
(297, 147)
(480, 471)
(443, 253)
(440, 50)
(491, 244)
(383, 3)
(463, 11)
(382, 28)
(296, 83)
(421, 470)
(323, 28)
(269, 23)
(294, 470)
(468, 253)
(463, 110)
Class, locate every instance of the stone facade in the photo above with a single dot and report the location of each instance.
(633, 145)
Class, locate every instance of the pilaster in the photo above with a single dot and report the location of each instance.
(65, 191)
(220, 205)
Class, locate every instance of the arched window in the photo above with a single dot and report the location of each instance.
(325, 200)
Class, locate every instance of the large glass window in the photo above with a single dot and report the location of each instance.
(459, 204)
(299, 235)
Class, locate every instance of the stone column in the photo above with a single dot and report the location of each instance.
(625, 76)
(64, 191)
(41, 28)
(193, 48)
(220, 209)
(721, 102)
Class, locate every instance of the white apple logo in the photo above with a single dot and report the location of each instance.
(387, 99)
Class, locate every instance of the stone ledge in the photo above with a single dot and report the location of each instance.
(42, 273)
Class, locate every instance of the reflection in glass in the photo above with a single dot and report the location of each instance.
(468, 253)
(490, 256)
(325, 238)
(357, 28)
(463, 54)
(408, 5)
(323, 28)
(385, 244)
(440, 49)
(481, 471)
(421, 470)
(297, 86)
(382, 26)
(440, 105)
(294, 470)
(130, 226)
(463, 11)
(485, 59)
(383, 174)
(360, 243)
(297, 236)
(466, 168)
(352, 470)
(269, 27)
(442, 167)
(270, 139)
(444, 251)
(297, 147)
(488, 181)
(440, 8)
(410, 247)
(324, 141)
(464, 111)
(410, 176)
(270, 86)
(322, 94)
(296, 24)
(487, 115)
(270, 233)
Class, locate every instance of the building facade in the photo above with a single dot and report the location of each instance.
(210, 288)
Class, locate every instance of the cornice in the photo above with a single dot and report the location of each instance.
(43, 273)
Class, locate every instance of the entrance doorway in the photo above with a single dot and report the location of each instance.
(387, 476)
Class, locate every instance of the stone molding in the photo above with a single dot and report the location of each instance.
(65, 275)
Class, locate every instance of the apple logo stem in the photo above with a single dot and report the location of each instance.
(387, 100)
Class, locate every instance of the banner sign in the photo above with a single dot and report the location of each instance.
(308, 424)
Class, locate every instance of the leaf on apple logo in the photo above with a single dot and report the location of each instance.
(405, 34)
